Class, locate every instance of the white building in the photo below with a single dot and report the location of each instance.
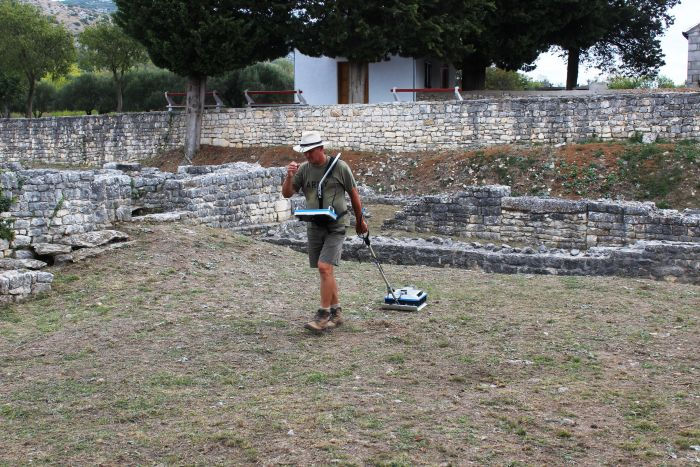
(324, 80)
(693, 36)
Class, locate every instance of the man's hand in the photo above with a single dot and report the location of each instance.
(292, 169)
(288, 182)
(361, 226)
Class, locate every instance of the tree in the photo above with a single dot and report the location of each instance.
(105, 46)
(10, 90)
(87, 92)
(616, 35)
(44, 98)
(33, 45)
(365, 32)
(512, 34)
(207, 38)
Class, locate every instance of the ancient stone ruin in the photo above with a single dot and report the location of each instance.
(63, 216)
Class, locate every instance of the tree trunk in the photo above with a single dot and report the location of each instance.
(358, 81)
(196, 86)
(118, 90)
(572, 68)
(30, 98)
(474, 73)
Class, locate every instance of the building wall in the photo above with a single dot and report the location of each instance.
(398, 71)
(694, 57)
(317, 77)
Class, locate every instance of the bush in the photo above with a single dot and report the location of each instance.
(144, 89)
(88, 92)
(6, 231)
(45, 95)
(640, 82)
(498, 79)
(263, 76)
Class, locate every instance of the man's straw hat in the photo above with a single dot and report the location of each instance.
(309, 140)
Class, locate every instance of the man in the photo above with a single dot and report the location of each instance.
(325, 241)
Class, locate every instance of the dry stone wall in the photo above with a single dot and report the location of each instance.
(56, 212)
(89, 140)
(659, 260)
(417, 126)
(401, 126)
(488, 212)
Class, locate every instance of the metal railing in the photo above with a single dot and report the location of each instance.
(173, 105)
(296, 92)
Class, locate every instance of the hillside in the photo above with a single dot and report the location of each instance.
(75, 14)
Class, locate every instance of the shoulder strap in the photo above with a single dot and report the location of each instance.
(329, 170)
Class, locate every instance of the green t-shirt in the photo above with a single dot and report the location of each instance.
(334, 187)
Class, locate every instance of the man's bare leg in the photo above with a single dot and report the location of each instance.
(329, 286)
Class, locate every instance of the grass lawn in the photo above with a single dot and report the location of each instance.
(188, 348)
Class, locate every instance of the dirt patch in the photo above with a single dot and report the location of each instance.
(666, 173)
(188, 348)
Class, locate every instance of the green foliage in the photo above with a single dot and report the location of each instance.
(208, 37)
(11, 90)
(264, 76)
(88, 92)
(371, 31)
(614, 36)
(511, 36)
(144, 89)
(106, 47)
(32, 45)
(640, 82)
(498, 79)
(44, 97)
(6, 231)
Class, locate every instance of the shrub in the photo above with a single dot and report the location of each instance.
(45, 96)
(6, 232)
(144, 89)
(263, 76)
(87, 92)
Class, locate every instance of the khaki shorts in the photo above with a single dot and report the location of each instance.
(325, 244)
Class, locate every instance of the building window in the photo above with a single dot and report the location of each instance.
(445, 76)
(428, 75)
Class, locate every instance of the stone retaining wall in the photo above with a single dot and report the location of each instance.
(89, 140)
(647, 259)
(51, 204)
(402, 126)
(417, 126)
(488, 212)
(52, 207)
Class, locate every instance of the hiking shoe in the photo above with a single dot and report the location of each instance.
(320, 321)
(336, 317)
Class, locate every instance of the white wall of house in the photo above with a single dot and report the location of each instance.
(693, 36)
(317, 77)
(397, 71)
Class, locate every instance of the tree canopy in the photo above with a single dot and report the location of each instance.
(365, 32)
(33, 45)
(105, 46)
(620, 36)
(207, 38)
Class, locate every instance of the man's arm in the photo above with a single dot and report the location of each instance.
(360, 223)
(288, 183)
